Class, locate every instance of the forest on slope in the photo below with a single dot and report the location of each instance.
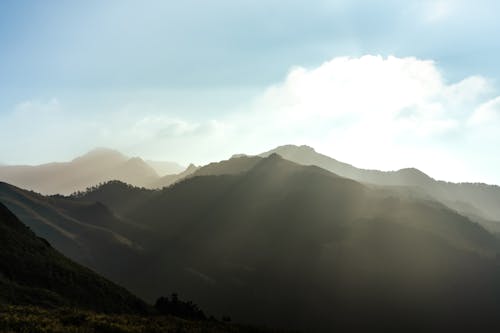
(285, 245)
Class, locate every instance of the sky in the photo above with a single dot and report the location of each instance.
(377, 84)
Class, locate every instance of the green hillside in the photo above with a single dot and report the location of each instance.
(33, 273)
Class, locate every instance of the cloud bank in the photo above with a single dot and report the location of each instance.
(384, 113)
(371, 111)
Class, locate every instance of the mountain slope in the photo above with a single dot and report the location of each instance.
(82, 231)
(280, 244)
(168, 180)
(232, 166)
(32, 272)
(299, 247)
(163, 168)
(468, 198)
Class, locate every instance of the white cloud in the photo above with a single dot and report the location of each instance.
(374, 112)
(158, 127)
(487, 113)
(37, 107)
(370, 85)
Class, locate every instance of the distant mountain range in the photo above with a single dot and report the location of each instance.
(480, 202)
(95, 167)
(282, 244)
(164, 168)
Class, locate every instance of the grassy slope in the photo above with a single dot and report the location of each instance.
(39, 320)
(32, 272)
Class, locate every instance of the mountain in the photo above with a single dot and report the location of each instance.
(95, 167)
(280, 244)
(293, 246)
(82, 231)
(33, 273)
(478, 201)
(43, 291)
(305, 155)
(168, 180)
(234, 165)
(163, 168)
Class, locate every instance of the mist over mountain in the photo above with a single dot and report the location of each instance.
(281, 244)
(97, 166)
(168, 180)
(478, 201)
(163, 168)
(197, 208)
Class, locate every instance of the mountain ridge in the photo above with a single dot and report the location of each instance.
(231, 239)
(90, 169)
(32, 272)
(480, 197)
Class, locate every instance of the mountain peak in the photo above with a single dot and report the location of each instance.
(413, 174)
(239, 156)
(101, 152)
(191, 167)
(292, 151)
(306, 147)
(136, 160)
(271, 162)
(274, 156)
(303, 148)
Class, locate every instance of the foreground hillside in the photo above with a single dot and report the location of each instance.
(87, 232)
(40, 320)
(278, 244)
(42, 291)
(33, 273)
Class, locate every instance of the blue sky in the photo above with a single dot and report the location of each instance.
(195, 81)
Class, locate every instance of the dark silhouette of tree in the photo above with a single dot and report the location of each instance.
(176, 307)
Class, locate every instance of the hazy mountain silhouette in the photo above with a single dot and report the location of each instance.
(478, 201)
(164, 168)
(33, 273)
(97, 166)
(234, 165)
(296, 246)
(168, 180)
(90, 169)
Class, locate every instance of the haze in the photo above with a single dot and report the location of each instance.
(379, 84)
(249, 166)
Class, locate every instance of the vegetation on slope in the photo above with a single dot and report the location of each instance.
(33, 273)
(285, 245)
(69, 320)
